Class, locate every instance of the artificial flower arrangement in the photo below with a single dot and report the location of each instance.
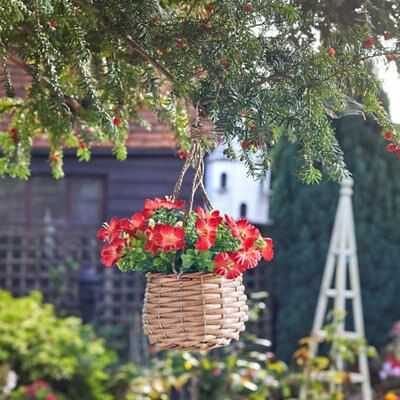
(193, 261)
(157, 241)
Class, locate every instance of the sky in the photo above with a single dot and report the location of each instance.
(391, 85)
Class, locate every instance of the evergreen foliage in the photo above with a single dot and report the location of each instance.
(251, 68)
(302, 230)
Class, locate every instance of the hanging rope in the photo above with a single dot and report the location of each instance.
(196, 160)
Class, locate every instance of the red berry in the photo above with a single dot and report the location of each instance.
(391, 57)
(391, 147)
(245, 144)
(225, 64)
(209, 9)
(82, 145)
(248, 7)
(386, 36)
(388, 135)
(183, 154)
(368, 42)
(331, 51)
(54, 157)
(116, 110)
(180, 43)
(116, 121)
(13, 130)
(53, 24)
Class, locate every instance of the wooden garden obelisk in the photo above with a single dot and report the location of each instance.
(342, 265)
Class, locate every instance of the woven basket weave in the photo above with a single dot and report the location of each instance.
(193, 311)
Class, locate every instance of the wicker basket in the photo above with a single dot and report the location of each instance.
(194, 311)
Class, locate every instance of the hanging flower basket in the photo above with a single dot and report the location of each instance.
(195, 311)
(193, 260)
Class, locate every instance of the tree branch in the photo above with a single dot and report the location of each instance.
(75, 106)
(135, 46)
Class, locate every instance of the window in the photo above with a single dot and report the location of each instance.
(223, 181)
(71, 201)
(243, 210)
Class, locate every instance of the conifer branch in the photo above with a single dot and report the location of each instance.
(135, 46)
(75, 106)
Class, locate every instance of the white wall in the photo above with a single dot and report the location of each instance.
(240, 189)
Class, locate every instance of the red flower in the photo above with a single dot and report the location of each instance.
(244, 231)
(183, 154)
(132, 226)
(226, 266)
(247, 258)
(180, 43)
(209, 9)
(388, 135)
(110, 230)
(268, 251)
(206, 227)
(53, 24)
(391, 147)
(51, 396)
(111, 253)
(391, 57)
(151, 245)
(368, 42)
(116, 121)
(151, 205)
(168, 237)
(331, 51)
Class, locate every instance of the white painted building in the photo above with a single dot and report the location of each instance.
(233, 192)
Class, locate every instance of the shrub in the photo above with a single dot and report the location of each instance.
(37, 345)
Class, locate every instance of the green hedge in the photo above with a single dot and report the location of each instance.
(303, 217)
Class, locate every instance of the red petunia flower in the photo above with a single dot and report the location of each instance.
(226, 266)
(206, 227)
(268, 251)
(151, 205)
(151, 245)
(244, 231)
(168, 237)
(248, 258)
(110, 230)
(111, 253)
(132, 226)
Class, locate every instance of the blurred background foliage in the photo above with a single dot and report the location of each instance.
(302, 229)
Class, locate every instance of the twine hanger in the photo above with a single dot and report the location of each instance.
(196, 160)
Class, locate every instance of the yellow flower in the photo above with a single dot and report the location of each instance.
(391, 396)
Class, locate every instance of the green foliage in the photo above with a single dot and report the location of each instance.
(63, 352)
(303, 219)
(251, 69)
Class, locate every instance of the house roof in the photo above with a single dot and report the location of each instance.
(158, 137)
